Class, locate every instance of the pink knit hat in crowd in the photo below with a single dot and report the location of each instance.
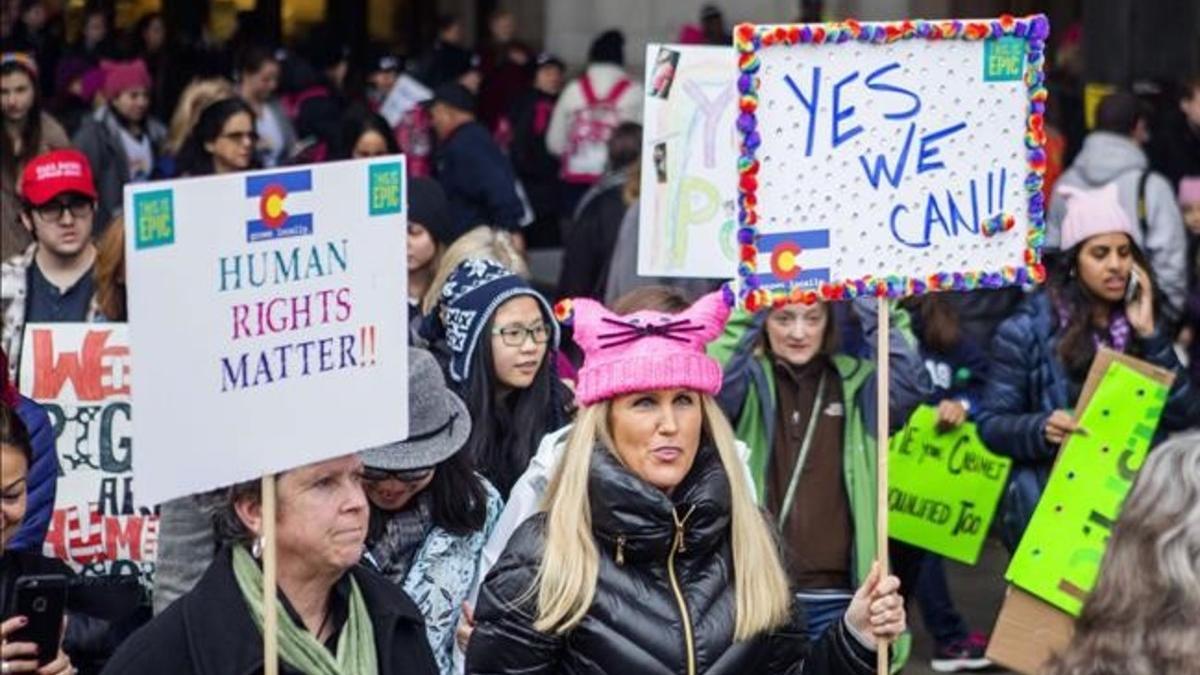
(120, 76)
(1091, 213)
(647, 350)
(1189, 190)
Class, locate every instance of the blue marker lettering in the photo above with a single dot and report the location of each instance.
(883, 86)
(928, 151)
(840, 114)
(895, 233)
(894, 176)
(810, 105)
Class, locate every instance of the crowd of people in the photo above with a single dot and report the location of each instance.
(637, 479)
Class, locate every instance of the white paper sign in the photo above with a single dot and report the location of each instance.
(688, 209)
(79, 373)
(268, 321)
(899, 159)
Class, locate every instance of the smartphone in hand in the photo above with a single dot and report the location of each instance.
(1133, 289)
(41, 599)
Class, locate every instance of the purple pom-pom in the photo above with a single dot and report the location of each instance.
(745, 236)
(1040, 29)
(753, 140)
(745, 83)
(746, 123)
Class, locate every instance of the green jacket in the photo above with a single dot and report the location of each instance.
(748, 397)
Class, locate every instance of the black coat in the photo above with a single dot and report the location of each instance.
(209, 631)
(481, 188)
(101, 611)
(635, 623)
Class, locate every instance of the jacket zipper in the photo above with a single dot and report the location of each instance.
(676, 546)
(620, 556)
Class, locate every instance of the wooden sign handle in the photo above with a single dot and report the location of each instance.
(881, 443)
(270, 579)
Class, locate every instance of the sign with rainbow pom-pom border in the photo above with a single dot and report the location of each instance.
(889, 159)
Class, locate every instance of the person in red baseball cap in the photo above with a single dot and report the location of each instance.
(51, 281)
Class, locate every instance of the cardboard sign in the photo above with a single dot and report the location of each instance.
(943, 487)
(80, 375)
(1028, 632)
(1059, 554)
(890, 159)
(1029, 629)
(688, 203)
(268, 321)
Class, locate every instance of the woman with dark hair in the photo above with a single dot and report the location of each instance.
(362, 133)
(1101, 293)
(808, 413)
(335, 615)
(222, 141)
(28, 132)
(495, 333)
(430, 512)
(257, 80)
(16, 455)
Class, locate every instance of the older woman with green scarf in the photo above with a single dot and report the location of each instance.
(335, 615)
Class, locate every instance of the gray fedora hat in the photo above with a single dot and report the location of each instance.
(438, 421)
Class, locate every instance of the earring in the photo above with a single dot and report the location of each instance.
(256, 548)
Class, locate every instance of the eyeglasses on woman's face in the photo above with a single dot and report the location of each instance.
(241, 137)
(515, 334)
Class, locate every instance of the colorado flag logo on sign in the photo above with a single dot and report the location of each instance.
(277, 213)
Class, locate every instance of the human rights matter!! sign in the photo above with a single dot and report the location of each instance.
(267, 321)
(889, 159)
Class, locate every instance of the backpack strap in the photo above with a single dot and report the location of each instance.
(619, 88)
(1142, 210)
(589, 94)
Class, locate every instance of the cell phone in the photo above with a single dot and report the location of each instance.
(1133, 288)
(42, 600)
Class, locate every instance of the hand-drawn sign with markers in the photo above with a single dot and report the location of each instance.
(889, 159)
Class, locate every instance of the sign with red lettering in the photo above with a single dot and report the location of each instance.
(80, 374)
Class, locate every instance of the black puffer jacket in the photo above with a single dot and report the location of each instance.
(636, 622)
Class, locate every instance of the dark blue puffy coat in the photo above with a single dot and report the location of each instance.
(42, 480)
(1027, 382)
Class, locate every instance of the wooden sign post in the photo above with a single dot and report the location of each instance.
(881, 442)
(270, 579)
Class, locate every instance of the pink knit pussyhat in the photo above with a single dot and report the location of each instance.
(647, 350)
(1091, 213)
(1189, 190)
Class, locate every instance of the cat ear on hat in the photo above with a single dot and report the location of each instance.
(587, 317)
(710, 313)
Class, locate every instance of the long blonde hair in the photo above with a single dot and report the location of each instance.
(195, 98)
(1143, 617)
(482, 242)
(566, 581)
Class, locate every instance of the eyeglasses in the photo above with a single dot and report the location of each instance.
(53, 211)
(406, 476)
(241, 136)
(516, 334)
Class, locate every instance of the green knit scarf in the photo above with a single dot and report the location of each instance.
(300, 648)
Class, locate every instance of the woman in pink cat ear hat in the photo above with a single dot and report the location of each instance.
(650, 503)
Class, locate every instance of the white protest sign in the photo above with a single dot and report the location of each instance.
(688, 208)
(79, 373)
(268, 321)
(890, 158)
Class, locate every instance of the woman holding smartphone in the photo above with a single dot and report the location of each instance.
(18, 655)
(1100, 293)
